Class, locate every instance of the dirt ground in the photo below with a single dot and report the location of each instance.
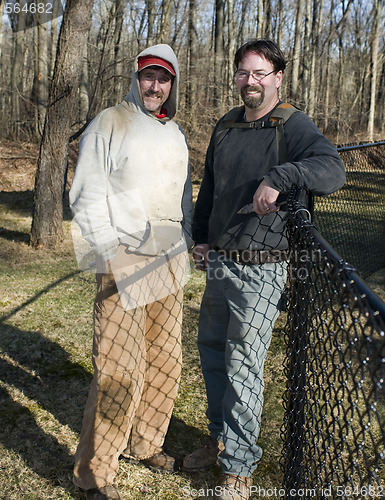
(18, 163)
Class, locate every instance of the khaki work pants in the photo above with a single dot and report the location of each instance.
(137, 367)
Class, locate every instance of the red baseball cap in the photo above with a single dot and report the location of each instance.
(146, 61)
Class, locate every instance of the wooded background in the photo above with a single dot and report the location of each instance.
(70, 68)
(335, 51)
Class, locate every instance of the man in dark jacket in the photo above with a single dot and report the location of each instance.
(245, 257)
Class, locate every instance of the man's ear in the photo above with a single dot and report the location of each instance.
(278, 79)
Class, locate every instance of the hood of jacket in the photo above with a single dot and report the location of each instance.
(165, 52)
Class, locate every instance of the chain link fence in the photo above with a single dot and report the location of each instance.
(334, 427)
(352, 220)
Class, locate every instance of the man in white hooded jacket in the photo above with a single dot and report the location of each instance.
(131, 197)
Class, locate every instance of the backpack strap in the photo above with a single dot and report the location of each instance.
(277, 119)
(280, 116)
(230, 120)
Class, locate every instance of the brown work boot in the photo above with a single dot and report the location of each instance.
(165, 461)
(108, 492)
(235, 488)
(203, 458)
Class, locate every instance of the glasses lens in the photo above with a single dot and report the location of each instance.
(257, 75)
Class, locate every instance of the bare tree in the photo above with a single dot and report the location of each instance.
(84, 99)
(329, 48)
(230, 52)
(267, 14)
(280, 23)
(47, 219)
(165, 22)
(118, 67)
(306, 56)
(297, 50)
(16, 78)
(191, 87)
(219, 53)
(377, 11)
(381, 93)
(315, 51)
(42, 66)
(260, 19)
(150, 9)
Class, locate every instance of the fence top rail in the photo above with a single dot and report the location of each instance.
(298, 215)
(360, 146)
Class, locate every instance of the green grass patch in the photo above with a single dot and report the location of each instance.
(45, 365)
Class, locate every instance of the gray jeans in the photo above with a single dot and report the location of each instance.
(239, 308)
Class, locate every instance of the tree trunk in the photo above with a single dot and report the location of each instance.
(341, 71)
(327, 78)
(260, 19)
(165, 22)
(230, 51)
(191, 87)
(84, 99)
(279, 23)
(118, 67)
(241, 27)
(267, 14)
(297, 50)
(150, 7)
(16, 74)
(315, 51)
(381, 94)
(47, 219)
(374, 66)
(306, 56)
(54, 36)
(41, 74)
(219, 53)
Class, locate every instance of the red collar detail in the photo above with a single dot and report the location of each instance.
(163, 113)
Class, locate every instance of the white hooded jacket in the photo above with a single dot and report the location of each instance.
(131, 183)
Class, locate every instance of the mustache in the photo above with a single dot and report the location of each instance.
(153, 93)
(252, 88)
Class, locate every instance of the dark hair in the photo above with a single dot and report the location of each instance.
(266, 48)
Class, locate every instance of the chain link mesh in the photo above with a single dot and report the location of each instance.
(137, 359)
(352, 220)
(334, 428)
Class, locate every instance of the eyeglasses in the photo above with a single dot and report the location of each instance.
(151, 78)
(241, 74)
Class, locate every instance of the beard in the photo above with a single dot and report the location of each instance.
(252, 102)
(153, 105)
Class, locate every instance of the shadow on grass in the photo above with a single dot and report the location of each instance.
(17, 236)
(21, 203)
(38, 378)
(39, 294)
(41, 371)
(39, 450)
(47, 381)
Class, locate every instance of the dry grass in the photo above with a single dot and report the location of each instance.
(45, 345)
(45, 368)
